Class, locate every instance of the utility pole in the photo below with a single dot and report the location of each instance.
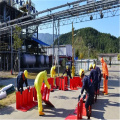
(11, 53)
(73, 68)
(72, 44)
(53, 43)
(58, 44)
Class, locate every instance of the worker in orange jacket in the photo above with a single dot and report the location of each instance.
(105, 76)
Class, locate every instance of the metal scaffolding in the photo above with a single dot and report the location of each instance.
(94, 9)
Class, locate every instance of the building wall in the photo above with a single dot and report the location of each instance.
(114, 59)
(69, 50)
(83, 64)
(63, 50)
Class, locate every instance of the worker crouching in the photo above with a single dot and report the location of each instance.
(41, 77)
(21, 79)
(88, 87)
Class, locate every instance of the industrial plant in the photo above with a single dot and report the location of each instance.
(32, 52)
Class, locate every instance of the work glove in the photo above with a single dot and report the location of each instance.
(101, 75)
(80, 96)
(21, 91)
(106, 77)
(84, 96)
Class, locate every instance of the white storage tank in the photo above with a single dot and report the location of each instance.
(46, 59)
(28, 60)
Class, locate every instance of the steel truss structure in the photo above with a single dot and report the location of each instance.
(80, 13)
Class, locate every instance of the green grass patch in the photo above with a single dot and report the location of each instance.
(1, 86)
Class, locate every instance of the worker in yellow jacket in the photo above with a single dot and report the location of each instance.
(42, 76)
(53, 73)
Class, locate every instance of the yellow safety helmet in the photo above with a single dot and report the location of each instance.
(26, 73)
(67, 67)
(94, 65)
(90, 67)
(81, 72)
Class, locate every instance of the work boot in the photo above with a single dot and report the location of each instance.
(41, 113)
(88, 114)
(105, 93)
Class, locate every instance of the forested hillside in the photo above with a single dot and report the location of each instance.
(92, 40)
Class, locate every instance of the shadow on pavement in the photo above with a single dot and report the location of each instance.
(113, 71)
(102, 103)
(7, 110)
(110, 87)
(98, 109)
(113, 95)
(58, 112)
(64, 97)
(97, 114)
(61, 97)
(113, 83)
(113, 77)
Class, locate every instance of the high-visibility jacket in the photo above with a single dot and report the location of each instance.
(42, 76)
(104, 68)
(52, 71)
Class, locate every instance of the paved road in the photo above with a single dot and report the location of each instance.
(106, 107)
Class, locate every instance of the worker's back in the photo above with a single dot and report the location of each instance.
(87, 85)
(94, 76)
(39, 78)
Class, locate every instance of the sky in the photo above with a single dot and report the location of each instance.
(106, 25)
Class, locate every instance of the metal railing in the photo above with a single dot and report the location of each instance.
(83, 64)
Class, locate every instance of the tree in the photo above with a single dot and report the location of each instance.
(101, 42)
(17, 43)
(81, 55)
(77, 53)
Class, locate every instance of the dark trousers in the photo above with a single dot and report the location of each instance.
(89, 101)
